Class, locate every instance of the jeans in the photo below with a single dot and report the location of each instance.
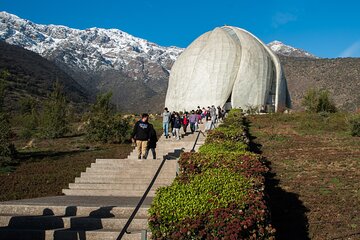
(176, 133)
(153, 152)
(192, 127)
(166, 128)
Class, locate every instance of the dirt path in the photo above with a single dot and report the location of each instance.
(314, 187)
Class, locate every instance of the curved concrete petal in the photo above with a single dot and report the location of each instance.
(227, 61)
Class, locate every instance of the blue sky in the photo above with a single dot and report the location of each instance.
(325, 28)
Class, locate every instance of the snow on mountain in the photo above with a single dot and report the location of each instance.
(90, 49)
(285, 50)
(97, 49)
(134, 69)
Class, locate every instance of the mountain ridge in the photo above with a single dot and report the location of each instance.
(134, 69)
(34, 76)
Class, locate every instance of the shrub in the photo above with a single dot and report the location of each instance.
(213, 189)
(229, 132)
(246, 164)
(225, 146)
(318, 101)
(218, 193)
(354, 123)
(104, 125)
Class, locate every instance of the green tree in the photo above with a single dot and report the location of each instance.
(29, 117)
(54, 119)
(318, 101)
(4, 75)
(7, 149)
(103, 124)
(310, 100)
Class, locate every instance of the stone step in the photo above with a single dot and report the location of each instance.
(116, 186)
(94, 192)
(66, 234)
(123, 180)
(52, 222)
(129, 161)
(80, 211)
(143, 164)
(139, 164)
(129, 174)
(120, 170)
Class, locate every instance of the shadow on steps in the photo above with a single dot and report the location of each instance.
(66, 226)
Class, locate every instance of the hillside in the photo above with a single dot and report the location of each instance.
(341, 76)
(137, 71)
(33, 75)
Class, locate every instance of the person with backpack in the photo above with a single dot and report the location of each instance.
(166, 119)
(142, 134)
(152, 143)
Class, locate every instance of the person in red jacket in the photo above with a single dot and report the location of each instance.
(185, 121)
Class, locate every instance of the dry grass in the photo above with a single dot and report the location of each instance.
(315, 187)
(51, 165)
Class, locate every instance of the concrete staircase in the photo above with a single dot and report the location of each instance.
(98, 204)
(28, 222)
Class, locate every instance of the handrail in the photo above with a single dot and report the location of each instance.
(196, 140)
(131, 218)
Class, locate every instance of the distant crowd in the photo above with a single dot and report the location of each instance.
(176, 120)
(144, 135)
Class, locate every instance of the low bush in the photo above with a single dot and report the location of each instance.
(354, 123)
(218, 193)
(225, 146)
(214, 188)
(318, 101)
(233, 133)
(246, 164)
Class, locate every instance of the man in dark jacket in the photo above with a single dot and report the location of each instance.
(142, 134)
(152, 143)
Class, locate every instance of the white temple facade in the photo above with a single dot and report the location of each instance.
(227, 65)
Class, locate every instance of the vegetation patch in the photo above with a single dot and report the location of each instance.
(218, 193)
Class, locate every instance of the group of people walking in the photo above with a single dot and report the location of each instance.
(144, 134)
(175, 120)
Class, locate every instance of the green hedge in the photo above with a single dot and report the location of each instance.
(218, 193)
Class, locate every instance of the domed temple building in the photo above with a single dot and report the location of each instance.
(227, 66)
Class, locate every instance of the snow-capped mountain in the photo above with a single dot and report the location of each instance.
(285, 50)
(91, 49)
(99, 59)
(134, 69)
